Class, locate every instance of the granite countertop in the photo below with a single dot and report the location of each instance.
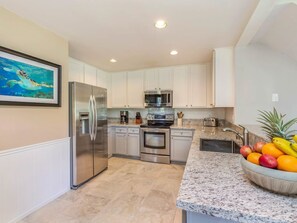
(214, 184)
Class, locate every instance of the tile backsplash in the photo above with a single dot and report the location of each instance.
(193, 113)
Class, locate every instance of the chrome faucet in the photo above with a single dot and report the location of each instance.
(244, 137)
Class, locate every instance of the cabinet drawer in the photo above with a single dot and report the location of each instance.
(186, 133)
(121, 130)
(133, 130)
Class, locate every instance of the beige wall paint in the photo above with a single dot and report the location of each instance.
(25, 125)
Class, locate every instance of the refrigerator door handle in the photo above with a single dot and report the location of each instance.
(91, 119)
(95, 118)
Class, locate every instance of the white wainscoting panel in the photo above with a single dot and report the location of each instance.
(32, 176)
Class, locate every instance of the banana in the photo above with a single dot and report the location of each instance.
(284, 145)
(295, 138)
(294, 146)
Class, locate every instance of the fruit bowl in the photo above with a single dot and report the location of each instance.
(274, 180)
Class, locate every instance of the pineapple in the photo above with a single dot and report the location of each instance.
(274, 126)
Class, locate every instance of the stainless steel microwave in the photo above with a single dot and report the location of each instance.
(153, 99)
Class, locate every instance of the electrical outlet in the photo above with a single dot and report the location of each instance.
(274, 97)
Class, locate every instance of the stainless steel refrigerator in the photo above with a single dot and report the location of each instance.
(88, 132)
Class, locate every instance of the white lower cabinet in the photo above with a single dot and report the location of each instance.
(181, 141)
(133, 144)
(127, 141)
(121, 145)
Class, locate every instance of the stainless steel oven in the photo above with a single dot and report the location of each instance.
(155, 144)
(155, 136)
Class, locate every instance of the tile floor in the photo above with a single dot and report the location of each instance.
(128, 191)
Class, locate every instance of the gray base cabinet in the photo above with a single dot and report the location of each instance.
(111, 141)
(127, 141)
(192, 217)
(181, 141)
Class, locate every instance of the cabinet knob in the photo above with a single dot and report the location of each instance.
(191, 105)
(186, 105)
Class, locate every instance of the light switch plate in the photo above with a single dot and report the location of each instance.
(274, 97)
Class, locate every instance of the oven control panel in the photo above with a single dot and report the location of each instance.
(165, 117)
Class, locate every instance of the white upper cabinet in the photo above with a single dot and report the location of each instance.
(209, 81)
(84, 73)
(189, 88)
(159, 78)
(76, 71)
(135, 82)
(90, 75)
(197, 86)
(119, 90)
(101, 78)
(165, 78)
(180, 87)
(223, 77)
(109, 93)
(151, 79)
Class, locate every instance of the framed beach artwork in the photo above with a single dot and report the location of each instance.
(27, 80)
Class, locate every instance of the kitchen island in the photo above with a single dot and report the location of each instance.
(215, 189)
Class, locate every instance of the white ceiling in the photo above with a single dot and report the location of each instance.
(99, 30)
(279, 31)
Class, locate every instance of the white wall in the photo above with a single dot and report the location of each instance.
(193, 113)
(259, 72)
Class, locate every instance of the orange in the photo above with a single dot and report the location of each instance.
(270, 149)
(287, 163)
(254, 158)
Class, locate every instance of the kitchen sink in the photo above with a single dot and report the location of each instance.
(216, 145)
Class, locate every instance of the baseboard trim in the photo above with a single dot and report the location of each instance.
(18, 218)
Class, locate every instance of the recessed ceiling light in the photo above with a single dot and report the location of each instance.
(113, 60)
(173, 52)
(160, 24)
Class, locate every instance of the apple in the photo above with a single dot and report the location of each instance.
(258, 147)
(245, 151)
(268, 161)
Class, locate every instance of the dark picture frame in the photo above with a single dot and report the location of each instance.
(28, 81)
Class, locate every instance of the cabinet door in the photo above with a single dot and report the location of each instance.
(76, 71)
(197, 87)
(101, 78)
(223, 59)
(121, 146)
(111, 141)
(133, 145)
(209, 87)
(151, 79)
(119, 90)
(180, 147)
(109, 93)
(135, 98)
(90, 75)
(180, 87)
(166, 78)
